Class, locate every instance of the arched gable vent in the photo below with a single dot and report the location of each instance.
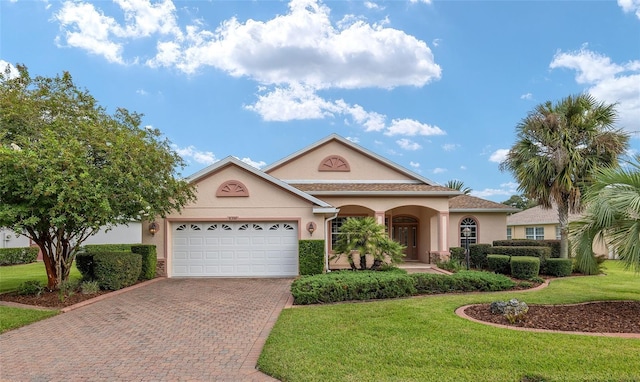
(334, 163)
(232, 188)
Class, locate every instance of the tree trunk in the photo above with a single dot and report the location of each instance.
(52, 274)
(363, 262)
(563, 219)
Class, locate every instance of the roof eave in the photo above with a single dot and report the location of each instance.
(470, 209)
(385, 193)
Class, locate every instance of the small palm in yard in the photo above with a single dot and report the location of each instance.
(612, 216)
(364, 236)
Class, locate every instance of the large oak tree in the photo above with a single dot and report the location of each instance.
(68, 168)
(558, 148)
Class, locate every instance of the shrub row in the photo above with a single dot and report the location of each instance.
(94, 248)
(20, 255)
(369, 285)
(505, 265)
(554, 245)
(540, 252)
(118, 269)
(525, 267)
(311, 256)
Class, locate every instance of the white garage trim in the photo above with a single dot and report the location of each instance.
(234, 249)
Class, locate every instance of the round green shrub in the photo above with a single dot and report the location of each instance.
(116, 270)
(499, 264)
(558, 267)
(525, 267)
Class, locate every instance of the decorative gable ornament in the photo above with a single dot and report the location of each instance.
(334, 163)
(232, 188)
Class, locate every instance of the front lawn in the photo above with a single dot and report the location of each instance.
(10, 278)
(421, 339)
(14, 275)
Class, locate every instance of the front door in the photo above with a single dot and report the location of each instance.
(405, 231)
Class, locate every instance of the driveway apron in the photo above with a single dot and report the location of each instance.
(170, 330)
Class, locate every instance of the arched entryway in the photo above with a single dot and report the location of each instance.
(404, 229)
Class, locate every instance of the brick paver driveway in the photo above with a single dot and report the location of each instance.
(169, 330)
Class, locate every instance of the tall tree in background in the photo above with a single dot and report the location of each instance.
(520, 201)
(612, 216)
(67, 167)
(558, 148)
(458, 185)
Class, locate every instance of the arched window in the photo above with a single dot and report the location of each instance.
(472, 238)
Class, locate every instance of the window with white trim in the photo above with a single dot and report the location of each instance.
(472, 224)
(509, 233)
(336, 224)
(534, 233)
(558, 232)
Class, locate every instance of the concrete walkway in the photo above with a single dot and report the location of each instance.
(170, 330)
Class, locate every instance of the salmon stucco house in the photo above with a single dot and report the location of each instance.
(247, 222)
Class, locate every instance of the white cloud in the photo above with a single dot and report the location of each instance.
(407, 144)
(607, 81)
(450, 146)
(141, 92)
(13, 71)
(412, 127)
(420, 1)
(499, 155)
(85, 27)
(253, 163)
(303, 46)
(506, 189)
(372, 5)
(630, 6)
(191, 153)
(415, 165)
(463, 167)
(353, 139)
(439, 170)
(436, 42)
(527, 96)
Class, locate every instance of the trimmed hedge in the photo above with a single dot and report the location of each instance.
(95, 248)
(478, 255)
(19, 255)
(457, 254)
(539, 252)
(554, 245)
(525, 267)
(558, 267)
(351, 285)
(116, 270)
(499, 264)
(84, 263)
(149, 257)
(311, 257)
(368, 285)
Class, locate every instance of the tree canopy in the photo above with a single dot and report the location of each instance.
(558, 148)
(612, 216)
(520, 201)
(67, 167)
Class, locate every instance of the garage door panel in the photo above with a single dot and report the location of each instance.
(235, 249)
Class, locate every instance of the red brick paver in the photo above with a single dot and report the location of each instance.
(171, 330)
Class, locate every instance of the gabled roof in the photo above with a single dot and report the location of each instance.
(537, 215)
(468, 203)
(356, 147)
(232, 161)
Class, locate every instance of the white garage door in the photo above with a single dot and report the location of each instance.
(235, 249)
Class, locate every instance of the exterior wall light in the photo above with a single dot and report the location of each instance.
(311, 227)
(154, 228)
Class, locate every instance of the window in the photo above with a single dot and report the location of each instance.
(336, 224)
(473, 231)
(535, 233)
(508, 233)
(557, 232)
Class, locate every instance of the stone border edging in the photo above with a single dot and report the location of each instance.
(460, 312)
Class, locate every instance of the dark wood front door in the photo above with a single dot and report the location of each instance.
(407, 235)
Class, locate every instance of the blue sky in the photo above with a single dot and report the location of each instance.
(435, 86)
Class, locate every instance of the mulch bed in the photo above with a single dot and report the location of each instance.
(50, 299)
(595, 317)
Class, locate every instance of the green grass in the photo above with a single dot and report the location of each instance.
(10, 278)
(12, 318)
(421, 339)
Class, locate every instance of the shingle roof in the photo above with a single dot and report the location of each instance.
(468, 202)
(371, 187)
(537, 215)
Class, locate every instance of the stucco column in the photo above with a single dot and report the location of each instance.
(443, 235)
(379, 215)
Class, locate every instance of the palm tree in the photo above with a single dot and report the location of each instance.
(558, 148)
(612, 216)
(458, 185)
(366, 237)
